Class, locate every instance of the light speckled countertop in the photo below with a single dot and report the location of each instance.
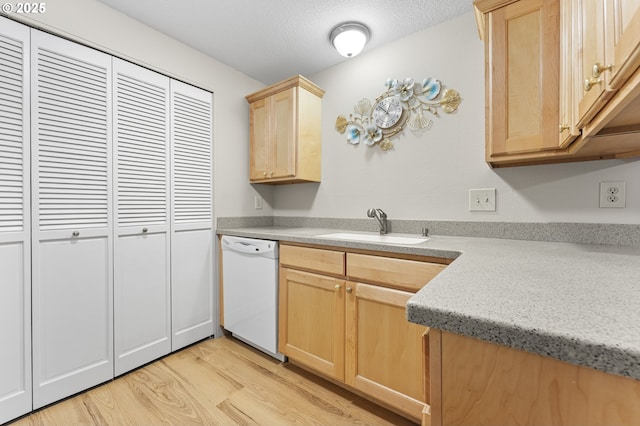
(578, 303)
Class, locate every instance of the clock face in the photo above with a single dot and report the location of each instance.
(387, 112)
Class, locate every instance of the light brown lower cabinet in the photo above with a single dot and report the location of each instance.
(311, 328)
(383, 349)
(481, 383)
(352, 331)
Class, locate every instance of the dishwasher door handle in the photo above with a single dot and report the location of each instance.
(243, 247)
(247, 247)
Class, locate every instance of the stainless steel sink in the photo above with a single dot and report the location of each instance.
(374, 238)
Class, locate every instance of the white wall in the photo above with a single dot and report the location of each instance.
(425, 177)
(428, 177)
(94, 24)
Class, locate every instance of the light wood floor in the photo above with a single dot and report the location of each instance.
(216, 382)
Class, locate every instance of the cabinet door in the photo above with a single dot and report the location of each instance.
(384, 355)
(590, 21)
(283, 131)
(569, 83)
(142, 292)
(522, 54)
(259, 150)
(623, 37)
(72, 220)
(15, 246)
(273, 136)
(192, 215)
(311, 321)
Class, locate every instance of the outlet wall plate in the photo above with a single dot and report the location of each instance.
(482, 200)
(612, 194)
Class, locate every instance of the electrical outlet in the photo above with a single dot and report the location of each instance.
(257, 202)
(612, 194)
(482, 200)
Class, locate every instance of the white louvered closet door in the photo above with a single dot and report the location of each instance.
(71, 218)
(15, 251)
(192, 237)
(142, 291)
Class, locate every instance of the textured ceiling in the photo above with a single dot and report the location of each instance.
(271, 40)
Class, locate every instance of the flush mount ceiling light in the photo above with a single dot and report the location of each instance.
(349, 38)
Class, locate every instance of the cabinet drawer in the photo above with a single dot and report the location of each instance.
(406, 274)
(312, 259)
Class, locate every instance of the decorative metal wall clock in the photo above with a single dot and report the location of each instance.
(403, 104)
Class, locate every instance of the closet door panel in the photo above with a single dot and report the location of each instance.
(142, 296)
(192, 261)
(15, 247)
(142, 292)
(74, 318)
(15, 332)
(71, 218)
(192, 203)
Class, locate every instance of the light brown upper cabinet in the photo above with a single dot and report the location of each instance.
(623, 34)
(285, 134)
(570, 87)
(521, 58)
(593, 70)
(609, 56)
(562, 80)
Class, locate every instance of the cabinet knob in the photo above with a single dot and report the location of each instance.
(349, 289)
(599, 69)
(337, 287)
(264, 174)
(270, 174)
(590, 82)
(75, 234)
(563, 127)
(145, 230)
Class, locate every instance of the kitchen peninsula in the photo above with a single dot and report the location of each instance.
(574, 303)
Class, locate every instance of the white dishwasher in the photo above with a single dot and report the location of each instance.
(250, 292)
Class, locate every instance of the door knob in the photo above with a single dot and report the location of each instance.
(590, 82)
(599, 69)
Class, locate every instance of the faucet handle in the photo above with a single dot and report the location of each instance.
(371, 212)
(382, 214)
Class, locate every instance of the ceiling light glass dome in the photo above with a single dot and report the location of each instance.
(349, 38)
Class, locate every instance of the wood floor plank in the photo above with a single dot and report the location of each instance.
(215, 382)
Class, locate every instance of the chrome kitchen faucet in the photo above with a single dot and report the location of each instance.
(380, 217)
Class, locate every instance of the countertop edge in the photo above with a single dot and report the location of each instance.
(608, 359)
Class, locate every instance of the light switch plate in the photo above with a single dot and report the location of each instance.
(257, 202)
(482, 200)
